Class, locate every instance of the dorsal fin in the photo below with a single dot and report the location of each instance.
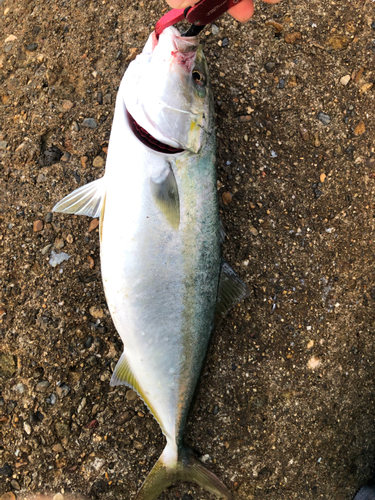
(86, 200)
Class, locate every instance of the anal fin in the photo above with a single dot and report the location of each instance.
(231, 291)
(123, 375)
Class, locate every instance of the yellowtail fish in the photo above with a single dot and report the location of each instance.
(160, 241)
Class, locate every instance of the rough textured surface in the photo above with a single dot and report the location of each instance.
(285, 406)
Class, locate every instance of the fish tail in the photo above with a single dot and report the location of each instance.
(169, 470)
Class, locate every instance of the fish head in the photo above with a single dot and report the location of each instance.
(167, 93)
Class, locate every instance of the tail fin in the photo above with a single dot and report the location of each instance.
(187, 468)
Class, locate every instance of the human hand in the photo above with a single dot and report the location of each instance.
(242, 12)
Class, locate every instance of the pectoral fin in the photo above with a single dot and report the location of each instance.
(231, 291)
(86, 200)
(164, 191)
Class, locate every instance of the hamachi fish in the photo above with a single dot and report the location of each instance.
(160, 241)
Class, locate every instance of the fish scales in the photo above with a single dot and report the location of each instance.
(160, 238)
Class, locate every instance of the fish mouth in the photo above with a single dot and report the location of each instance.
(150, 141)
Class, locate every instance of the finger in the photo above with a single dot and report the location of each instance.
(181, 4)
(244, 10)
(272, 1)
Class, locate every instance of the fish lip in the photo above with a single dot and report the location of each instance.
(148, 140)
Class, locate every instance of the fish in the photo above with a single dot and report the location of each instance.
(164, 278)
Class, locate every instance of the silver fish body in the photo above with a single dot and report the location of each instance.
(160, 241)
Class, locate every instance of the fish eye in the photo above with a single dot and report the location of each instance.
(198, 76)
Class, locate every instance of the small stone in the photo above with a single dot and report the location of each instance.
(313, 363)
(27, 428)
(270, 67)
(317, 141)
(19, 388)
(99, 97)
(10, 38)
(62, 390)
(366, 87)
(93, 225)
(91, 360)
(226, 197)
(278, 27)
(88, 342)
(59, 243)
(8, 496)
(91, 262)
(322, 177)
(225, 42)
(89, 123)
(360, 128)
(41, 178)
(304, 133)
(32, 46)
(84, 161)
(3, 311)
(345, 80)
(49, 217)
(66, 157)
(215, 29)
(51, 399)
(7, 365)
(15, 485)
(62, 430)
(98, 162)
(244, 118)
(3, 145)
(58, 496)
(57, 448)
(69, 238)
(281, 83)
(137, 445)
(108, 99)
(337, 42)
(67, 105)
(293, 37)
(131, 395)
(42, 386)
(45, 249)
(324, 118)
(124, 417)
(6, 470)
(253, 231)
(37, 225)
(81, 405)
(58, 258)
(75, 127)
(96, 312)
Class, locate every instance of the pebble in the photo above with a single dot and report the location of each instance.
(345, 80)
(59, 243)
(41, 178)
(69, 238)
(49, 217)
(57, 448)
(124, 417)
(8, 496)
(81, 405)
(313, 363)
(45, 249)
(3, 144)
(62, 390)
(27, 428)
(360, 128)
(19, 388)
(226, 197)
(7, 365)
(3, 311)
(324, 118)
(366, 87)
(51, 399)
(62, 430)
(93, 224)
(131, 395)
(281, 83)
(108, 99)
(138, 445)
(75, 127)
(304, 133)
(244, 118)
(6, 470)
(37, 225)
(337, 42)
(88, 342)
(322, 177)
(215, 29)
(293, 37)
(84, 161)
(99, 97)
(89, 123)
(91, 360)
(67, 105)
(66, 157)
(98, 162)
(225, 42)
(270, 67)
(32, 46)
(96, 312)
(15, 485)
(42, 386)
(58, 496)
(58, 258)
(253, 231)
(10, 38)
(278, 27)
